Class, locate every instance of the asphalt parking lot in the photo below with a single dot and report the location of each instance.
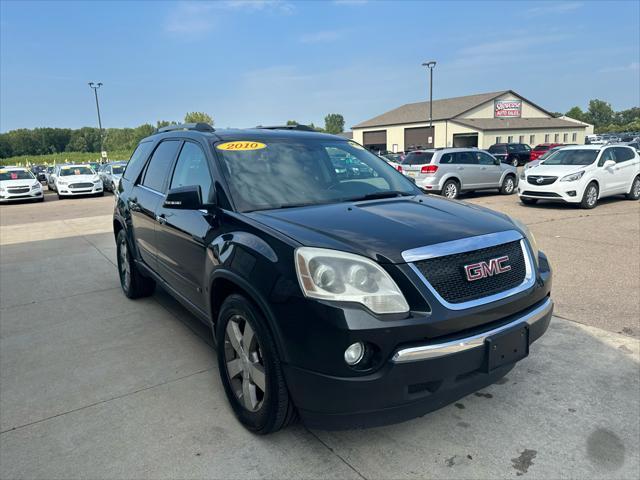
(93, 385)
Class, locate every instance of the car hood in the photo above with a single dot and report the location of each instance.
(383, 229)
(18, 183)
(78, 178)
(554, 170)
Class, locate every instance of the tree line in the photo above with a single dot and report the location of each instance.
(601, 115)
(43, 141)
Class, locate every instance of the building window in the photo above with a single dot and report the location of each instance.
(574, 137)
(521, 139)
(498, 139)
(510, 139)
(565, 138)
(556, 137)
(546, 138)
(532, 139)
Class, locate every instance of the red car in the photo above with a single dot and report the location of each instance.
(542, 149)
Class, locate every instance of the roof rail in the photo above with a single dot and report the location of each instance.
(305, 128)
(200, 127)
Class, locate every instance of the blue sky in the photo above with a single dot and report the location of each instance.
(265, 62)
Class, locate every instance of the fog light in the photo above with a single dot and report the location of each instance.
(354, 353)
(572, 193)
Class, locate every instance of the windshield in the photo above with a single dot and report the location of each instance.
(541, 148)
(79, 170)
(548, 153)
(288, 173)
(572, 157)
(117, 169)
(417, 158)
(15, 175)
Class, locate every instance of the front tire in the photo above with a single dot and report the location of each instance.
(250, 368)
(634, 191)
(133, 283)
(590, 196)
(450, 189)
(508, 185)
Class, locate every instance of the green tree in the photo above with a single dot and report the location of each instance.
(195, 117)
(5, 146)
(576, 113)
(599, 113)
(625, 117)
(334, 123)
(165, 123)
(292, 122)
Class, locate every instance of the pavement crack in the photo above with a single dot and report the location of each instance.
(106, 400)
(342, 459)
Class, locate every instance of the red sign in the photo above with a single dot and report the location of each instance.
(508, 108)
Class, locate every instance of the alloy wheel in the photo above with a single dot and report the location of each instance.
(636, 188)
(508, 186)
(125, 268)
(451, 191)
(592, 195)
(244, 363)
(514, 162)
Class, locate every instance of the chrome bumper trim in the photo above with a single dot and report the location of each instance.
(426, 352)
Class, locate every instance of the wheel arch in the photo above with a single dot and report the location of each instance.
(224, 283)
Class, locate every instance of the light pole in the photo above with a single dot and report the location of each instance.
(430, 65)
(95, 87)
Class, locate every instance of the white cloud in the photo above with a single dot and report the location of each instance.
(324, 36)
(548, 8)
(631, 67)
(193, 18)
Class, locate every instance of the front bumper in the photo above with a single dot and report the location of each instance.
(570, 192)
(418, 379)
(6, 197)
(65, 190)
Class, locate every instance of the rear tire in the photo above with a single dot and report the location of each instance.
(133, 283)
(250, 368)
(508, 185)
(514, 162)
(450, 189)
(590, 196)
(634, 191)
(529, 201)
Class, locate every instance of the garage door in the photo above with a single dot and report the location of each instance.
(376, 140)
(418, 137)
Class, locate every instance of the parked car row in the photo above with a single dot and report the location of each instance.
(17, 183)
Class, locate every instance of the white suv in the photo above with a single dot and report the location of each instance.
(583, 174)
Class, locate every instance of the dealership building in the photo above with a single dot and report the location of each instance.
(472, 121)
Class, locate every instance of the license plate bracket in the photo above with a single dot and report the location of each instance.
(507, 347)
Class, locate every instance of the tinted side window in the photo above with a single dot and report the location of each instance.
(158, 167)
(466, 158)
(446, 158)
(484, 159)
(607, 155)
(138, 158)
(623, 154)
(192, 169)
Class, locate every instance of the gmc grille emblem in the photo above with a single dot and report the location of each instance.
(480, 270)
(539, 180)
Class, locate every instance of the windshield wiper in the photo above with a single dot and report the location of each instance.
(382, 194)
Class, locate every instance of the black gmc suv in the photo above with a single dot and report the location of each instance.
(515, 154)
(347, 301)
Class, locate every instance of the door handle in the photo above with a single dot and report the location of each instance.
(161, 219)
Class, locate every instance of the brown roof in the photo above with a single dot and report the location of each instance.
(444, 109)
(347, 135)
(516, 123)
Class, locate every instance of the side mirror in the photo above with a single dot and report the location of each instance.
(184, 198)
(609, 164)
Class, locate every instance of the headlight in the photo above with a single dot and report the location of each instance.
(345, 277)
(527, 233)
(36, 186)
(573, 177)
(61, 182)
(1, 189)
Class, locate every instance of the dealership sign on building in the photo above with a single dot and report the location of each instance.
(508, 108)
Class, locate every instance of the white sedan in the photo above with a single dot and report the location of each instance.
(582, 175)
(77, 180)
(19, 184)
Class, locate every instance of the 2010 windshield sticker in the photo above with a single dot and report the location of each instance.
(241, 146)
(356, 145)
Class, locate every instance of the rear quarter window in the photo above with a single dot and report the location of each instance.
(497, 149)
(418, 158)
(137, 160)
